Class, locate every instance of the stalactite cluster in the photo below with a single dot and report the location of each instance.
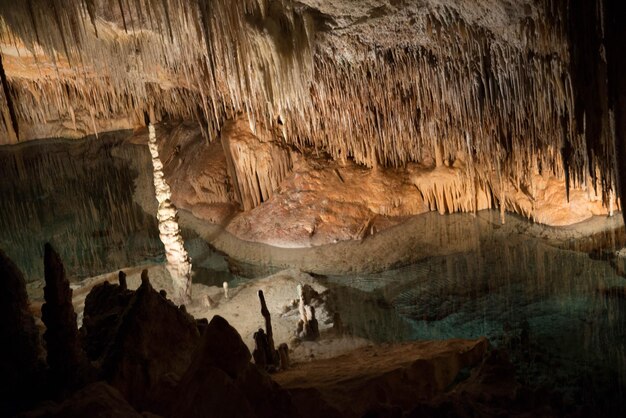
(448, 191)
(206, 60)
(504, 104)
(255, 168)
(412, 107)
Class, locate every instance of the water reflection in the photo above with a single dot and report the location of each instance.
(560, 313)
(78, 195)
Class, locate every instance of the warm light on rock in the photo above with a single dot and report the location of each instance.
(438, 179)
(178, 262)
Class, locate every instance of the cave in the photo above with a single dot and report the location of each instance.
(305, 208)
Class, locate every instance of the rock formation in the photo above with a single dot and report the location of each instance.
(153, 342)
(21, 370)
(491, 389)
(399, 376)
(283, 353)
(96, 400)
(104, 306)
(178, 261)
(157, 363)
(67, 362)
(196, 171)
(157, 360)
(122, 280)
(265, 354)
(323, 201)
(335, 117)
(308, 328)
(255, 168)
(222, 380)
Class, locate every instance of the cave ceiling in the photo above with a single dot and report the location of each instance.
(495, 83)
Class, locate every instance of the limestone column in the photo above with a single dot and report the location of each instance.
(178, 261)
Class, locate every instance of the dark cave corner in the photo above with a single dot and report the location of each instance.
(138, 354)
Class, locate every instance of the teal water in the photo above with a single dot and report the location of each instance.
(559, 313)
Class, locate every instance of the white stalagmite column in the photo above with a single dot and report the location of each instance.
(178, 261)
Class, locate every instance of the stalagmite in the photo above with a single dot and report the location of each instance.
(338, 327)
(265, 354)
(268, 321)
(308, 328)
(283, 352)
(122, 280)
(66, 359)
(178, 262)
(208, 302)
(21, 377)
(225, 285)
(301, 309)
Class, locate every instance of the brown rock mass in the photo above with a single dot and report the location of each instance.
(67, 362)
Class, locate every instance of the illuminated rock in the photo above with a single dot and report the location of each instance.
(502, 86)
(178, 261)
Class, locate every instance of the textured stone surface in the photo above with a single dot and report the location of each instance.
(492, 390)
(255, 167)
(497, 84)
(452, 105)
(223, 345)
(67, 362)
(104, 307)
(399, 375)
(21, 370)
(322, 201)
(222, 382)
(153, 346)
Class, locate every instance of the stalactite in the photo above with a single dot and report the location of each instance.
(178, 261)
(616, 62)
(89, 5)
(9, 103)
(255, 168)
(379, 105)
